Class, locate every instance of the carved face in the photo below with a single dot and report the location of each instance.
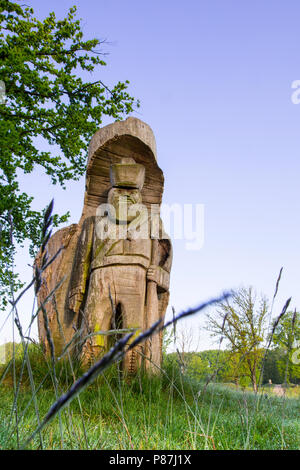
(122, 199)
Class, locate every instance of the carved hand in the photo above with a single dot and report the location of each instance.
(153, 274)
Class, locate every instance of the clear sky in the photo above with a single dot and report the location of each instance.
(214, 79)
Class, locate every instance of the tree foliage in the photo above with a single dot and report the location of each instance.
(288, 331)
(47, 103)
(286, 339)
(242, 323)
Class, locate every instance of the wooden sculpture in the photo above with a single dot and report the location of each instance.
(116, 261)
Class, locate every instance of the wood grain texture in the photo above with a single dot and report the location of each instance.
(133, 273)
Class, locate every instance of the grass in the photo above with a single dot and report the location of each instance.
(101, 410)
(170, 413)
(290, 391)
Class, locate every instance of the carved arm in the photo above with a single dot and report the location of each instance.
(160, 276)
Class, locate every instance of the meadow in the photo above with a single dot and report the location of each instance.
(170, 411)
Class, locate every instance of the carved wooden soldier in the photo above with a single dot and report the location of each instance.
(118, 263)
(122, 171)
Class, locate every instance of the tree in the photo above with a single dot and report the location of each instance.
(40, 67)
(206, 366)
(287, 331)
(243, 324)
(196, 367)
(272, 370)
(286, 338)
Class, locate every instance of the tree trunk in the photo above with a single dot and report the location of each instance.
(253, 379)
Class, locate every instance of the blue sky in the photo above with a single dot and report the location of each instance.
(214, 79)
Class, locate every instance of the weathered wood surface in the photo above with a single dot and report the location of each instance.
(133, 274)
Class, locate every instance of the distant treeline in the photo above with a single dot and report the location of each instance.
(224, 366)
(211, 365)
